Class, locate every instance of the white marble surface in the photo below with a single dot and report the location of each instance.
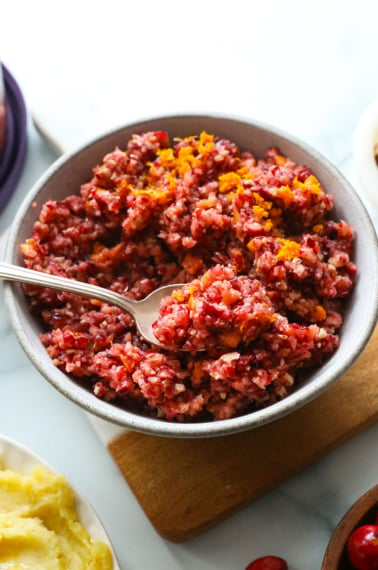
(310, 68)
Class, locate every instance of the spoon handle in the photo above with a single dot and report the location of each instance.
(10, 272)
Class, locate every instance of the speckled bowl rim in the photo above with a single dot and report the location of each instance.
(326, 375)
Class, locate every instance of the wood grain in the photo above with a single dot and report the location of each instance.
(186, 486)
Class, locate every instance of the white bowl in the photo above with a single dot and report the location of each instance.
(365, 148)
(64, 178)
(18, 458)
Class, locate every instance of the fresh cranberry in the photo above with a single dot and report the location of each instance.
(268, 563)
(362, 547)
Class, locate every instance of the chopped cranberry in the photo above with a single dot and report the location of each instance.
(303, 172)
(162, 138)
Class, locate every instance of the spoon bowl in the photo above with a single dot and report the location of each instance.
(144, 312)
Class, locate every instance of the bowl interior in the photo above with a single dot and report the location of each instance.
(65, 177)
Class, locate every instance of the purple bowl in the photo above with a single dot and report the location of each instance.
(3, 123)
(14, 151)
(7, 151)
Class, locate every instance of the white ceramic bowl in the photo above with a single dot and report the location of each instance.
(365, 148)
(65, 177)
(18, 458)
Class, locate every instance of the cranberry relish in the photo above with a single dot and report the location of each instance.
(266, 267)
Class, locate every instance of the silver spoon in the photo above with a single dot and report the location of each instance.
(144, 312)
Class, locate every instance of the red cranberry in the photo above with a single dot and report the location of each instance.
(268, 563)
(362, 547)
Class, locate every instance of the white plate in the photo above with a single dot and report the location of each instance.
(365, 140)
(19, 459)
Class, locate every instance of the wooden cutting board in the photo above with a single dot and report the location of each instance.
(186, 486)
